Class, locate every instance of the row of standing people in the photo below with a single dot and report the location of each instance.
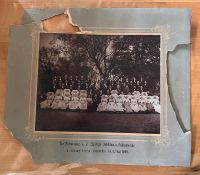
(123, 85)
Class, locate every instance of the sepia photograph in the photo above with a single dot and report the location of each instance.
(98, 83)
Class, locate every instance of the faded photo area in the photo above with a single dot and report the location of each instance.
(98, 83)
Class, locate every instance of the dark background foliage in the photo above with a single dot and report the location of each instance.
(100, 57)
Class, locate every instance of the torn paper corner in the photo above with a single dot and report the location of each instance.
(174, 48)
(71, 22)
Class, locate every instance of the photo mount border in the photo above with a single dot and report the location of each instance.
(34, 135)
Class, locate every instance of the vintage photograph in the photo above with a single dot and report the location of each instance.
(98, 83)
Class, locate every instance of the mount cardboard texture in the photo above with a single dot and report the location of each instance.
(171, 148)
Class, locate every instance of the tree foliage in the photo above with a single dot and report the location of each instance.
(102, 56)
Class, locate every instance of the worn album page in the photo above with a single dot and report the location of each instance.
(115, 92)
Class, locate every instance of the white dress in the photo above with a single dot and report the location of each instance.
(128, 108)
(102, 106)
(83, 104)
(135, 107)
(143, 107)
(61, 105)
(111, 106)
(67, 100)
(157, 108)
(72, 105)
(55, 104)
(45, 104)
(119, 105)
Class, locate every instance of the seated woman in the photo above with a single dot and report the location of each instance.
(59, 92)
(75, 93)
(50, 95)
(83, 93)
(136, 94)
(46, 104)
(67, 99)
(134, 104)
(156, 104)
(66, 93)
(142, 104)
(61, 104)
(127, 104)
(74, 103)
(144, 94)
(114, 94)
(103, 105)
(56, 101)
(119, 104)
(111, 106)
(149, 103)
(83, 103)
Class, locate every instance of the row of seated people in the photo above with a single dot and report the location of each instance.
(129, 103)
(73, 100)
(66, 99)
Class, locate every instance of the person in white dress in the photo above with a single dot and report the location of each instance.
(83, 93)
(144, 95)
(67, 99)
(103, 105)
(119, 104)
(74, 103)
(66, 93)
(46, 104)
(59, 92)
(83, 103)
(111, 104)
(114, 93)
(61, 104)
(56, 101)
(136, 94)
(127, 104)
(134, 104)
(50, 95)
(149, 103)
(142, 104)
(156, 104)
(75, 93)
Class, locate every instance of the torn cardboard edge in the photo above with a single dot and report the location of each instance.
(170, 92)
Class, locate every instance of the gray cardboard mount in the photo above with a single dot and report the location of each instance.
(171, 148)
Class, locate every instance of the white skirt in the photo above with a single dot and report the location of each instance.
(111, 107)
(102, 107)
(45, 104)
(119, 107)
(54, 105)
(135, 107)
(157, 108)
(143, 107)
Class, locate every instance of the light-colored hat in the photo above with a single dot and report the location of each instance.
(104, 97)
(49, 94)
(75, 92)
(144, 94)
(114, 92)
(67, 91)
(59, 91)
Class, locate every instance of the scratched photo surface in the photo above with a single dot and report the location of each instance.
(98, 83)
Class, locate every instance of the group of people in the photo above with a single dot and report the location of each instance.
(66, 99)
(103, 86)
(134, 102)
(79, 100)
